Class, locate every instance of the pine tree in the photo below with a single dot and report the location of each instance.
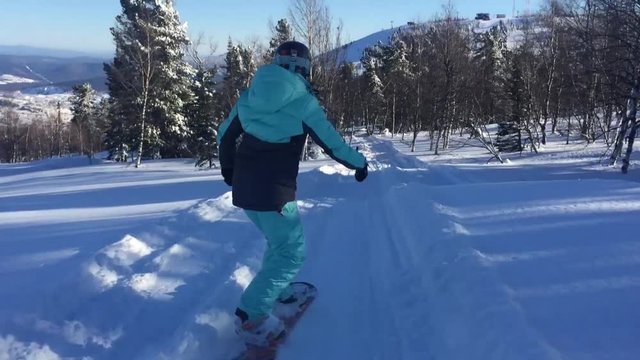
(82, 102)
(489, 61)
(396, 58)
(148, 79)
(175, 79)
(10, 135)
(100, 112)
(372, 62)
(239, 69)
(124, 112)
(233, 82)
(399, 75)
(248, 65)
(508, 137)
(204, 117)
(281, 32)
(509, 130)
(345, 94)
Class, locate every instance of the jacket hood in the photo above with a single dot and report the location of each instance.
(273, 87)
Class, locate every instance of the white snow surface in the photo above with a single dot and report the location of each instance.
(432, 257)
(12, 79)
(353, 51)
(32, 104)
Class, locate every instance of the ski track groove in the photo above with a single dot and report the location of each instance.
(396, 279)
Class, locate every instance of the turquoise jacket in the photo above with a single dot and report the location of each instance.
(274, 115)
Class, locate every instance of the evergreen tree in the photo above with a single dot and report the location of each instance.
(233, 80)
(372, 62)
(490, 70)
(508, 137)
(204, 117)
(345, 94)
(175, 75)
(396, 59)
(82, 103)
(239, 69)
(509, 130)
(399, 75)
(249, 66)
(10, 135)
(100, 113)
(124, 113)
(149, 79)
(281, 32)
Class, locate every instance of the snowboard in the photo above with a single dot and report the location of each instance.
(290, 314)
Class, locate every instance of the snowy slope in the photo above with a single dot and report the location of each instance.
(353, 51)
(425, 260)
(12, 79)
(38, 102)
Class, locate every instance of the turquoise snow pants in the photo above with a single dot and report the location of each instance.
(282, 259)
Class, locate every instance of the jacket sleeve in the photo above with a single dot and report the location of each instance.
(228, 134)
(316, 124)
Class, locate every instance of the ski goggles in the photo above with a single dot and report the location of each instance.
(293, 63)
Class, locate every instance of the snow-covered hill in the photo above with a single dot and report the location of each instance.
(33, 72)
(40, 103)
(353, 51)
(431, 258)
(12, 79)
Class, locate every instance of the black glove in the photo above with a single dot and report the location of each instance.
(227, 175)
(362, 173)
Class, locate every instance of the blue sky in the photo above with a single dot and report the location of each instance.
(84, 24)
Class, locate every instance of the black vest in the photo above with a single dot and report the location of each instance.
(265, 174)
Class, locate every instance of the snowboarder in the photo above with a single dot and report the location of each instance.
(274, 116)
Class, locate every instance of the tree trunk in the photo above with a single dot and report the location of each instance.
(568, 130)
(59, 130)
(632, 137)
(630, 119)
(437, 144)
(416, 130)
(80, 139)
(142, 129)
(393, 116)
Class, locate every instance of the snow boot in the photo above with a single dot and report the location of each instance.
(293, 298)
(264, 332)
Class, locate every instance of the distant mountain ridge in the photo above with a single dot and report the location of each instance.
(51, 71)
(22, 50)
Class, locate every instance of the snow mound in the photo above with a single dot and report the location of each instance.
(12, 349)
(334, 169)
(242, 276)
(215, 209)
(114, 261)
(127, 251)
(154, 286)
(180, 260)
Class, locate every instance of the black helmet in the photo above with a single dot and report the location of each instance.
(293, 56)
